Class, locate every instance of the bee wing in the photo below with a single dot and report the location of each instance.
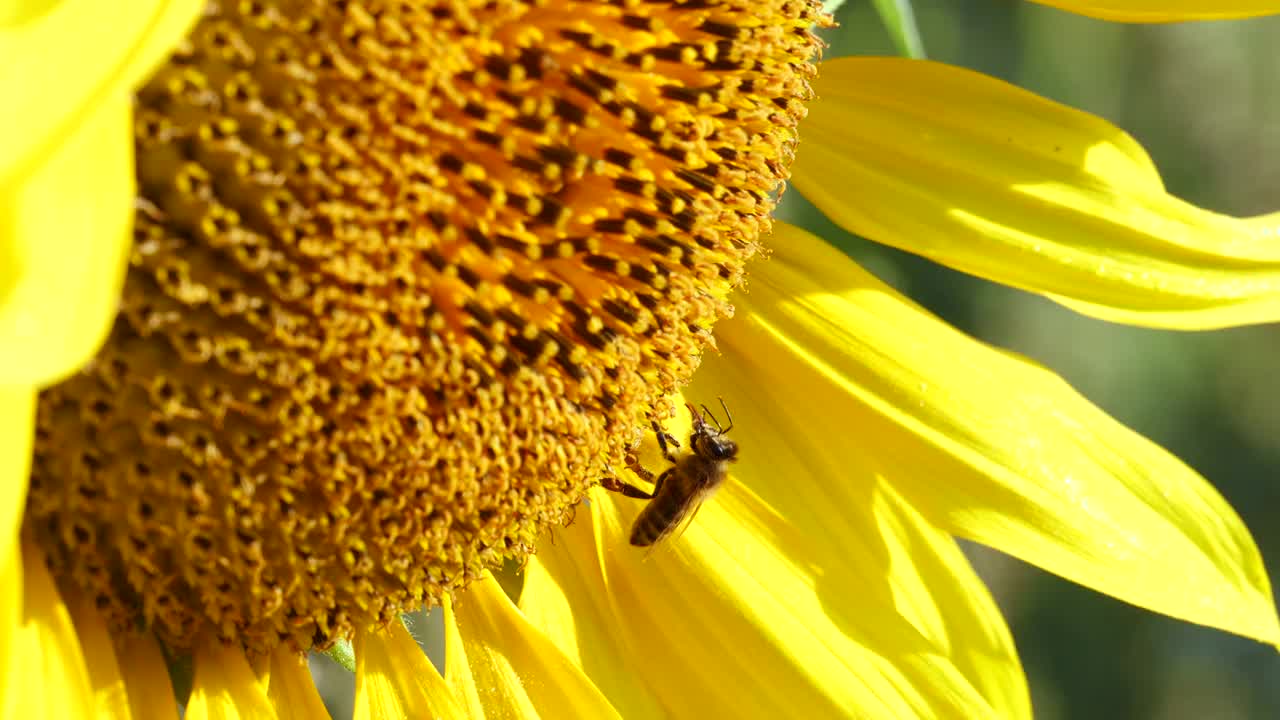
(684, 524)
(677, 529)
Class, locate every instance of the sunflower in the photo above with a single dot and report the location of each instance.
(406, 280)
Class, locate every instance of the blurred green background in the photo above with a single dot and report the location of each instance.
(1204, 100)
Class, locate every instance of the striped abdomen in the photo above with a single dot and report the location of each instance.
(659, 517)
(679, 493)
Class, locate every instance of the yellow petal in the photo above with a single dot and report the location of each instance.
(836, 493)
(994, 447)
(10, 629)
(110, 698)
(17, 430)
(505, 668)
(66, 172)
(570, 605)
(225, 687)
(748, 615)
(146, 677)
(47, 677)
(394, 680)
(11, 661)
(992, 180)
(291, 689)
(64, 240)
(1154, 11)
(61, 60)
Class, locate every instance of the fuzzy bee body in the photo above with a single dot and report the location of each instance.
(681, 489)
(674, 500)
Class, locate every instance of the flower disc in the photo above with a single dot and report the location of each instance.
(406, 276)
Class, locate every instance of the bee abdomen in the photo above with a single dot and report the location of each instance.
(654, 521)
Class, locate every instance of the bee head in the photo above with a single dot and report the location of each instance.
(712, 445)
(709, 442)
(722, 448)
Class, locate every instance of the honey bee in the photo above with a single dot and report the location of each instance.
(680, 490)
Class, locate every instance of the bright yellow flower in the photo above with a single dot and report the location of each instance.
(822, 580)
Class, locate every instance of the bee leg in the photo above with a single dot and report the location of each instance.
(665, 439)
(657, 484)
(615, 485)
(633, 464)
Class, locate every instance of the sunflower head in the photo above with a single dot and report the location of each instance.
(406, 276)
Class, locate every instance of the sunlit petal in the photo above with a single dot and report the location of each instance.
(395, 680)
(64, 239)
(110, 699)
(146, 677)
(571, 606)
(505, 668)
(994, 447)
(1153, 11)
(830, 490)
(17, 429)
(990, 179)
(62, 59)
(48, 678)
(747, 615)
(66, 176)
(225, 687)
(290, 688)
(10, 630)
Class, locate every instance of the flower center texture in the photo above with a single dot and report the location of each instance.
(406, 276)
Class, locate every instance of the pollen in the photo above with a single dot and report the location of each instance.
(405, 277)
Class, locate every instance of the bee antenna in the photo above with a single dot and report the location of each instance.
(727, 417)
(693, 412)
(713, 419)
